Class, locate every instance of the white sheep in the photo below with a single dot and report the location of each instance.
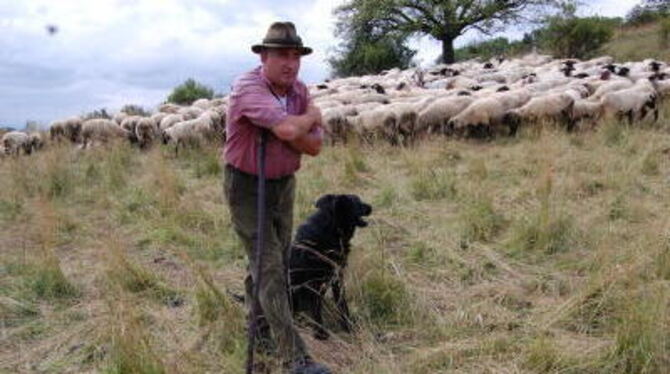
(631, 102)
(375, 124)
(203, 104)
(553, 107)
(170, 120)
(101, 130)
(335, 123)
(435, 117)
(15, 141)
(480, 118)
(190, 112)
(191, 131)
(169, 108)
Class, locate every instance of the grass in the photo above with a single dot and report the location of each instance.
(545, 253)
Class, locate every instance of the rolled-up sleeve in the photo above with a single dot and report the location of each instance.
(259, 105)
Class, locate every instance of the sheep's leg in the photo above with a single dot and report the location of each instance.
(631, 117)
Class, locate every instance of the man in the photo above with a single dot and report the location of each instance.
(270, 98)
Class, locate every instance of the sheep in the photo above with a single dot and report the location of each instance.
(435, 117)
(585, 110)
(203, 104)
(72, 129)
(129, 124)
(170, 120)
(335, 123)
(378, 123)
(57, 131)
(405, 129)
(15, 141)
(169, 108)
(631, 102)
(145, 131)
(555, 106)
(36, 140)
(190, 112)
(158, 117)
(191, 131)
(102, 130)
(479, 118)
(611, 86)
(119, 117)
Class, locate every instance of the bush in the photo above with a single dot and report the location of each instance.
(577, 37)
(135, 110)
(188, 92)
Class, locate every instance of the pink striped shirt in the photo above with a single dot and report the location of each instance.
(252, 106)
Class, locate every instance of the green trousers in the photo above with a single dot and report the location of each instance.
(240, 190)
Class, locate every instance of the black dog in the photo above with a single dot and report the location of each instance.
(319, 254)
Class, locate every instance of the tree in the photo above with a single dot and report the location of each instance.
(444, 20)
(188, 92)
(362, 56)
(648, 11)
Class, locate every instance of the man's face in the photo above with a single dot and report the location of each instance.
(281, 65)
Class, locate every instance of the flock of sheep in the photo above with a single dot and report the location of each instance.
(171, 124)
(471, 99)
(476, 99)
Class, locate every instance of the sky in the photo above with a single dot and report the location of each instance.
(108, 53)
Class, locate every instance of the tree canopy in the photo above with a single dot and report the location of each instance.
(443, 20)
(188, 92)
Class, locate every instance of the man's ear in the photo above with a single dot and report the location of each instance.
(325, 201)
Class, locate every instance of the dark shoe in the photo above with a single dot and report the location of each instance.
(309, 367)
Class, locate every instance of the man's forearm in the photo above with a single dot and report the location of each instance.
(309, 143)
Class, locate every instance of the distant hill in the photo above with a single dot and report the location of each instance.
(636, 43)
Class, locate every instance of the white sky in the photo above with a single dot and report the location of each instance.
(108, 53)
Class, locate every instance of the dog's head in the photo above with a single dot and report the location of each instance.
(347, 210)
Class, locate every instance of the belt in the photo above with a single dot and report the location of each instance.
(244, 174)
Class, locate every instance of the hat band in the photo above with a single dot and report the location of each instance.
(297, 43)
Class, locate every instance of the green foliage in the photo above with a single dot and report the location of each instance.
(190, 91)
(135, 110)
(648, 11)
(433, 185)
(443, 20)
(664, 32)
(480, 220)
(571, 37)
(362, 57)
(385, 299)
(98, 113)
(495, 47)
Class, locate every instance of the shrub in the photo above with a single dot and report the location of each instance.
(135, 110)
(190, 91)
(577, 37)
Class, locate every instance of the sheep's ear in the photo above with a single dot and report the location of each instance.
(325, 201)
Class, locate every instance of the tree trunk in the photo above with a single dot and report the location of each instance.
(448, 53)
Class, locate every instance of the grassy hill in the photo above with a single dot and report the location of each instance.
(546, 253)
(637, 43)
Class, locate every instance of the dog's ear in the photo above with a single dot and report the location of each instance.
(325, 201)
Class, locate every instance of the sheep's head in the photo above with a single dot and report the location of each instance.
(165, 137)
(512, 119)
